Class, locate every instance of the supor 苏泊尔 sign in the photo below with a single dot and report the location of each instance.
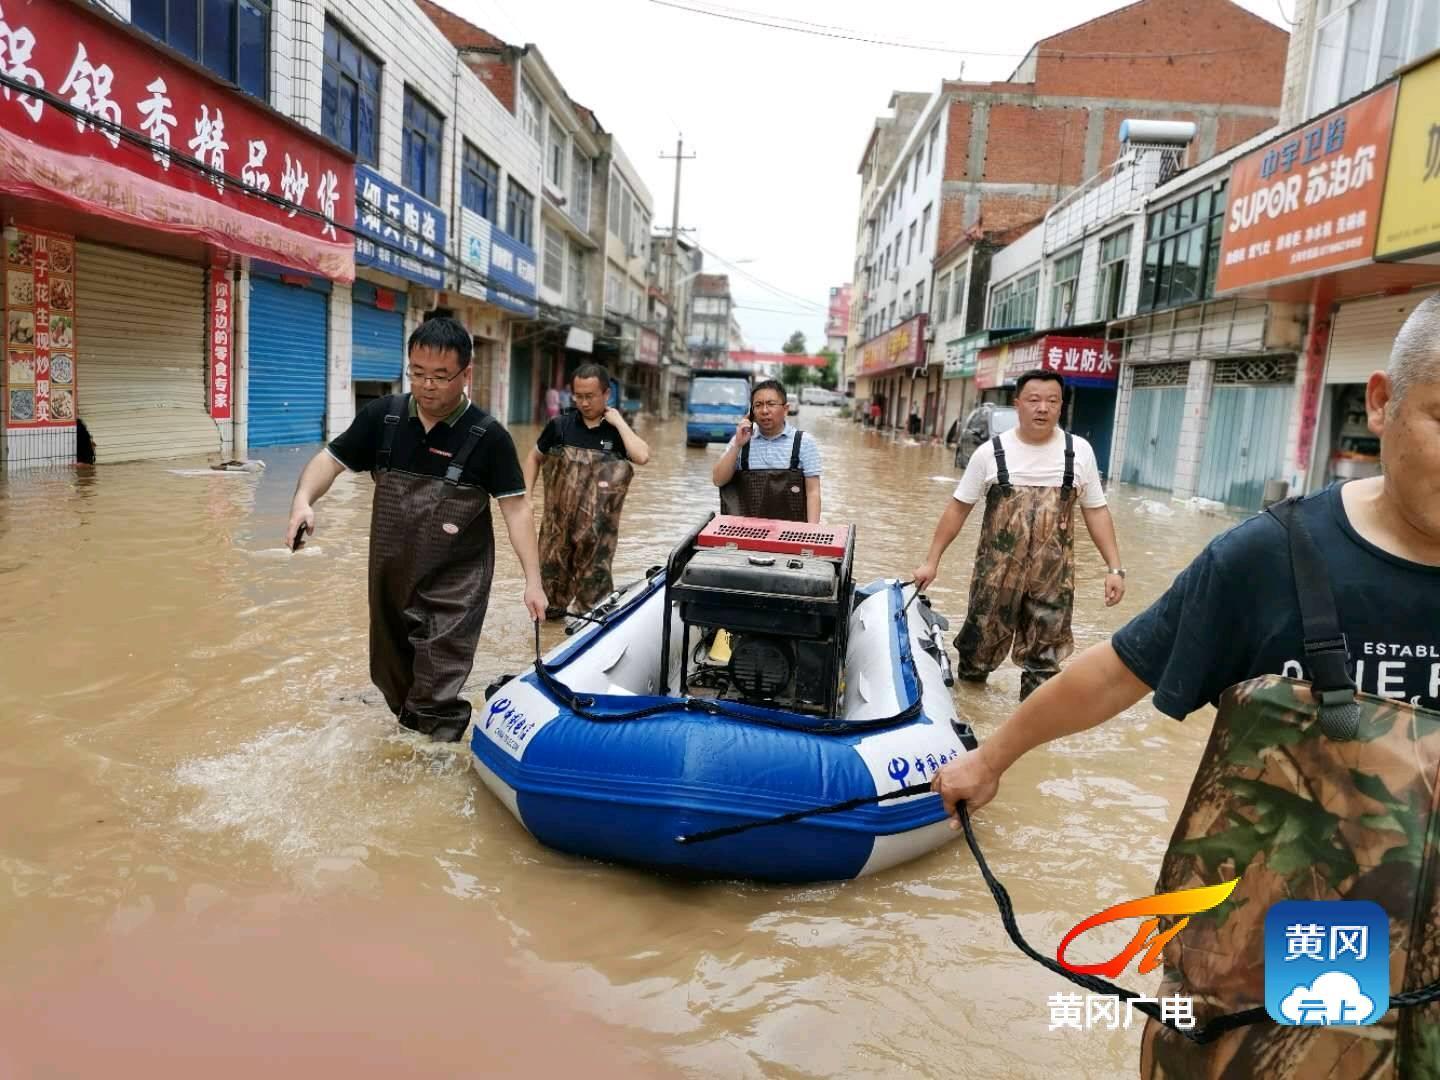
(112, 76)
(902, 346)
(400, 233)
(1308, 203)
(1410, 212)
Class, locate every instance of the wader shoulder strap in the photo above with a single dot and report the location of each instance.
(387, 435)
(745, 454)
(1069, 481)
(1326, 650)
(795, 451)
(1002, 474)
(462, 458)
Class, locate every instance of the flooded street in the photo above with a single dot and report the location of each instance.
(190, 730)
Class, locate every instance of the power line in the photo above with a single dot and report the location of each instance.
(763, 284)
(814, 29)
(775, 311)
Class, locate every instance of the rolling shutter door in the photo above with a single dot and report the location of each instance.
(377, 337)
(140, 332)
(1363, 334)
(288, 349)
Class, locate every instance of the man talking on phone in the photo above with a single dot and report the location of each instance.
(769, 469)
(437, 460)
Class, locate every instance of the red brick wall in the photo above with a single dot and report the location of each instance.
(1233, 130)
(952, 222)
(1007, 211)
(497, 74)
(1027, 145)
(457, 30)
(957, 143)
(1244, 61)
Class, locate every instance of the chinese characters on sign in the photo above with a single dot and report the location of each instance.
(402, 234)
(220, 339)
(491, 256)
(1310, 201)
(1104, 1011)
(900, 347)
(1410, 214)
(648, 351)
(113, 80)
(39, 330)
(1090, 362)
(1326, 962)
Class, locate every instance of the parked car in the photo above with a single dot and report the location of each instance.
(983, 424)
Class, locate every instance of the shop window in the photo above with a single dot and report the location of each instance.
(480, 184)
(230, 37)
(424, 133)
(350, 95)
(1063, 289)
(519, 213)
(1182, 252)
(1358, 43)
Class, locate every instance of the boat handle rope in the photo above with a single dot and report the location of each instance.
(580, 705)
(1205, 1034)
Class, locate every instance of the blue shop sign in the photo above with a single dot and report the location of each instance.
(506, 266)
(401, 233)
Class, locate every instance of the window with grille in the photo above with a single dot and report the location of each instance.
(1255, 369)
(1159, 375)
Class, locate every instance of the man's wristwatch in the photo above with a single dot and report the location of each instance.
(1120, 571)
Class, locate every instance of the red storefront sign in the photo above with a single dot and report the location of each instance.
(648, 351)
(1081, 361)
(220, 340)
(904, 346)
(1309, 202)
(108, 72)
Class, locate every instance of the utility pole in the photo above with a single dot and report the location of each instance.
(666, 375)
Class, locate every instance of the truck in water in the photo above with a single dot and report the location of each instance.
(717, 402)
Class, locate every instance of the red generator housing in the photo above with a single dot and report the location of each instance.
(777, 537)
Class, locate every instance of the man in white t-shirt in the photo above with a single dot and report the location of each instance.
(1023, 587)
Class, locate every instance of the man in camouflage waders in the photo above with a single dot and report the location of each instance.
(1022, 589)
(586, 455)
(437, 461)
(1313, 630)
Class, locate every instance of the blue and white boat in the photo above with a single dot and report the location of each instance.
(639, 729)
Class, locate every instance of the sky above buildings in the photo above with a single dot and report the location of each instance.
(778, 119)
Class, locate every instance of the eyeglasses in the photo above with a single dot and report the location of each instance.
(767, 404)
(434, 380)
(587, 398)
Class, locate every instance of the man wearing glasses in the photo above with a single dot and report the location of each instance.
(769, 470)
(586, 455)
(437, 459)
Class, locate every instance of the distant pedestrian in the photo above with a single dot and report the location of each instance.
(1023, 587)
(552, 403)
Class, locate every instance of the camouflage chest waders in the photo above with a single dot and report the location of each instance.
(1306, 792)
(584, 493)
(766, 493)
(1023, 585)
(432, 555)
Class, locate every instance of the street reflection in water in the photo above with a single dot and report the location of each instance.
(190, 731)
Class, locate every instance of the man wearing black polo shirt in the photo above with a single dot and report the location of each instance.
(437, 460)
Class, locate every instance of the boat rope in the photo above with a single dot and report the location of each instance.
(582, 705)
(796, 815)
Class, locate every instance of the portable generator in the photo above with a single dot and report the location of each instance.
(765, 607)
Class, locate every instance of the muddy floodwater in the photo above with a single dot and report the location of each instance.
(188, 736)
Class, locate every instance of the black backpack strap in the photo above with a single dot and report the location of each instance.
(1068, 483)
(1002, 474)
(467, 448)
(745, 453)
(397, 408)
(1326, 650)
(795, 451)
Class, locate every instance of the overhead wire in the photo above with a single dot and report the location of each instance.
(762, 283)
(766, 20)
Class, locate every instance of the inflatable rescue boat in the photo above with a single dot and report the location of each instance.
(747, 678)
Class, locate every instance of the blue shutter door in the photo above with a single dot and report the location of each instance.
(377, 338)
(1153, 442)
(1245, 443)
(288, 347)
